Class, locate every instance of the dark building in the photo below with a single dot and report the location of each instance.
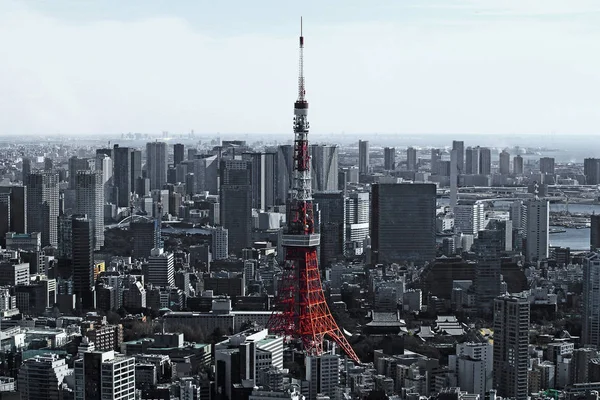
(178, 153)
(485, 161)
(471, 161)
(13, 211)
(42, 205)
(263, 179)
(411, 159)
(127, 167)
(236, 202)
(459, 146)
(595, 231)
(82, 239)
(332, 206)
(107, 152)
(48, 164)
(389, 158)
(403, 222)
(518, 165)
(547, 165)
(146, 236)
(78, 164)
(25, 168)
(591, 170)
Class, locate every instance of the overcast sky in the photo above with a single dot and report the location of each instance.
(398, 66)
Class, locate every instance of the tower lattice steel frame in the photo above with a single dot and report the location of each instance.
(303, 312)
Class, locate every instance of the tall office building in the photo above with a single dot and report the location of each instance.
(285, 157)
(511, 342)
(459, 146)
(411, 159)
(13, 210)
(518, 165)
(178, 153)
(104, 375)
(488, 248)
(591, 170)
(357, 222)
(146, 236)
(89, 193)
(104, 164)
(79, 164)
(472, 161)
(591, 300)
(127, 167)
(42, 376)
(324, 167)
(595, 232)
(263, 179)
(547, 165)
(403, 222)
(323, 375)
(42, 205)
(469, 218)
(332, 207)
(538, 216)
(160, 268)
(156, 164)
(363, 157)
(389, 158)
(25, 168)
(436, 157)
(504, 163)
(485, 161)
(236, 202)
(82, 242)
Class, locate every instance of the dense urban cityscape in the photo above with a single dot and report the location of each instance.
(186, 266)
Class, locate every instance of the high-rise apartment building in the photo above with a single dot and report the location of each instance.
(511, 343)
(236, 202)
(547, 165)
(459, 146)
(504, 163)
(403, 222)
(469, 218)
(332, 206)
(324, 167)
(485, 161)
(411, 159)
(42, 376)
(363, 157)
(42, 205)
(89, 192)
(518, 165)
(104, 375)
(160, 268)
(357, 222)
(389, 158)
(591, 300)
(472, 160)
(156, 164)
(178, 153)
(537, 230)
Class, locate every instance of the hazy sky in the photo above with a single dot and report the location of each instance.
(397, 66)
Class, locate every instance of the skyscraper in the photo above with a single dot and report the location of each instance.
(15, 198)
(146, 236)
(485, 161)
(504, 163)
(42, 205)
(547, 165)
(123, 172)
(324, 167)
(389, 158)
(285, 156)
(403, 222)
(89, 193)
(332, 206)
(472, 161)
(459, 146)
(263, 179)
(178, 153)
(104, 375)
(25, 168)
(469, 218)
(363, 157)
(236, 202)
(411, 159)
(79, 164)
(595, 232)
(156, 164)
(82, 239)
(160, 269)
(591, 170)
(511, 342)
(357, 222)
(436, 157)
(518, 165)
(591, 300)
(538, 217)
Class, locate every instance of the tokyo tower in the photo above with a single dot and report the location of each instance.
(303, 312)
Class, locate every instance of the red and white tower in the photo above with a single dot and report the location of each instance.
(303, 312)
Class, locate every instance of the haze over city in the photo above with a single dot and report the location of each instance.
(394, 67)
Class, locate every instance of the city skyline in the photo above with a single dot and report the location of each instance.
(443, 67)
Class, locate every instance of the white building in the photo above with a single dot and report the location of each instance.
(538, 216)
(469, 218)
(113, 376)
(89, 193)
(220, 247)
(160, 270)
(357, 222)
(473, 367)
